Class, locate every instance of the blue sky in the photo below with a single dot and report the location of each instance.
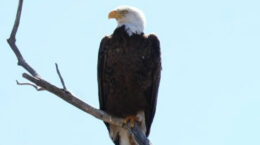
(210, 87)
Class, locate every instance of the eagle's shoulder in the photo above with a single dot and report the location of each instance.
(103, 44)
(105, 39)
(153, 37)
(154, 43)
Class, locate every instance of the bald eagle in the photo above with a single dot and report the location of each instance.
(129, 68)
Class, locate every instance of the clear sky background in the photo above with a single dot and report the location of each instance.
(210, 86)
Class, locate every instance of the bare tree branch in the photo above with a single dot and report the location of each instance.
(70, 98)
(41, 84)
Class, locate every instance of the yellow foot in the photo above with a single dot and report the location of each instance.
(132, 119)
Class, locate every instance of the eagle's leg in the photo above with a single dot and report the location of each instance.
(132, 119)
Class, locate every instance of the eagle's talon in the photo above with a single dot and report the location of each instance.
(132, 120)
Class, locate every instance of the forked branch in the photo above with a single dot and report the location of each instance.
(40, 84)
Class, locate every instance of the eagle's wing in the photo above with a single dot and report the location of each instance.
(101, 67)
(156, 74)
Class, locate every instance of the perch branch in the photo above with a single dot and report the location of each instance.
(70, 98)
(63, 93)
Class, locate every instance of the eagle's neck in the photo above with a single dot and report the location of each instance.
(132, 28)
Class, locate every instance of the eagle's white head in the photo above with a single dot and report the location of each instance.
(132, 18)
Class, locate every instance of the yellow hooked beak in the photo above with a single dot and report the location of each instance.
(114, 14)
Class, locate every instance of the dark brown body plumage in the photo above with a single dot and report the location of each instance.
(129, 74)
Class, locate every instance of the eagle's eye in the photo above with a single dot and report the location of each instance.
(124, 12)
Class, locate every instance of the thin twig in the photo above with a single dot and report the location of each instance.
(30, 84)
(61, 79)
(17, 20)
